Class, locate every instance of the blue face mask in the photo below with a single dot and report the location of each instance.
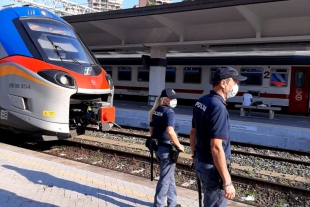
(173, 103)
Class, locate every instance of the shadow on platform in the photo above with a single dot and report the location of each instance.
(11, 199)
(46, 179)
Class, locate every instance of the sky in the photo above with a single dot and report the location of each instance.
(126, 3)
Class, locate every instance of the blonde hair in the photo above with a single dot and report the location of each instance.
(156, 104)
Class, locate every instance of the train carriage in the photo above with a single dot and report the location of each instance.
(277, 80)
(50, 82)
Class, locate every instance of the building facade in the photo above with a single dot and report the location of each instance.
(105, 5)
(143, 3)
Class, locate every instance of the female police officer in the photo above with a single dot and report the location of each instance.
(162, 123)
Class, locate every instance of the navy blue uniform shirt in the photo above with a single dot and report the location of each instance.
(211, 120)
(163, 116)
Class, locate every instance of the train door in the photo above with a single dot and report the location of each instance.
(299, 92)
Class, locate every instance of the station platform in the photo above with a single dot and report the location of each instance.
(284, 131)
(34, 179)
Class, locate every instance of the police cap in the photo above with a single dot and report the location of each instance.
(227, 72)
(169, 92)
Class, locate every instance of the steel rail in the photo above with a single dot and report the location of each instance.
(293, 161)
(237, 179)
(232, 142)
(185, 167)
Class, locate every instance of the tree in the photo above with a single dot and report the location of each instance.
(151, 3)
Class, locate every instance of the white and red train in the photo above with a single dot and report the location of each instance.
(275, 80)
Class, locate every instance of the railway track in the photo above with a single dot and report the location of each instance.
(185, 167)
(277, 158)
(239, 180)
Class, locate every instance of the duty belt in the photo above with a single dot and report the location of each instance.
(164, 145)
(228, 162)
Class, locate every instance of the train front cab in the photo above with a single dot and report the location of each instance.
(299, 90)
(51, 84)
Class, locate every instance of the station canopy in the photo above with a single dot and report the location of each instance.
(208, 26)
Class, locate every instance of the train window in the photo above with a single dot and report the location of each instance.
(278, 77)
(57, 41)
(124, 73)
(170, 75)
(192, 75)
(212, 74)
(50, 28)
(108, 69)
(254, 76)
(143, 74)
(300, 78)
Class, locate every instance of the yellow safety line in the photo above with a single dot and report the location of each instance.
(106, 185)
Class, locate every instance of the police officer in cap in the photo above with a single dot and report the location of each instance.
(210, 138)
(162, 123)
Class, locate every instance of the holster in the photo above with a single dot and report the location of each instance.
(152, 144)
(174, 154)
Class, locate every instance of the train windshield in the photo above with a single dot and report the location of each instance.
(57, 41)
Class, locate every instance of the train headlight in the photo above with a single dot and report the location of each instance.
(110, 81)
(58, 77)
(63, 80)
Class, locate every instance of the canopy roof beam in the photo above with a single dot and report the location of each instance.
(175, 26)
(113, 30)
(254, 20)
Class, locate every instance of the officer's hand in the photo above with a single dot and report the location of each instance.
(229, 192)
(181, 148)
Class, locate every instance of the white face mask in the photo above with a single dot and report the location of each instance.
(234, 91)
(173, 103)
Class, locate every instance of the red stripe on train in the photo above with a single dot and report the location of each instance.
(188, 91)
(269, 95)
(262, 95)
(147, 89)
(132, 88)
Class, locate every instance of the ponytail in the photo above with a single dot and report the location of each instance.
(156, 104)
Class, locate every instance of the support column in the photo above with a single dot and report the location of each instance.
(158, 64)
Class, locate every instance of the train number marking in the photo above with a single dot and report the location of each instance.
(266, 74)
(49, 113)
(4, 114)
(14, 85)
(25, 86)
(17, 85)
(298, 96)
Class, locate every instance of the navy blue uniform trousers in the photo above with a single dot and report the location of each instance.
(209, 177)
(166, 187)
